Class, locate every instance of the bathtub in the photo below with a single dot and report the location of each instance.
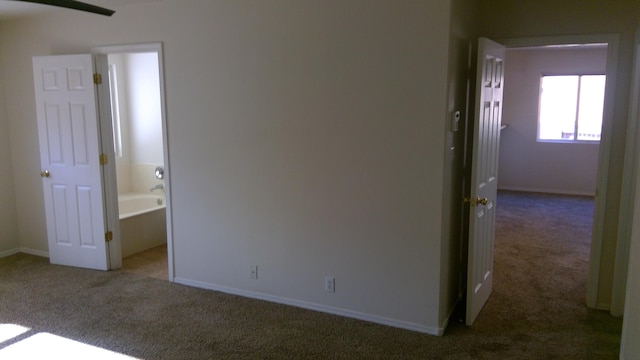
(143, 223)
(132, 204)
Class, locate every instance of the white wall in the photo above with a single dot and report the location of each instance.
(123, 163)
(570, 17)
(145, 108)
(145, 120)
(305, 138)
(9, 241)
(525, 163)
(140, 120)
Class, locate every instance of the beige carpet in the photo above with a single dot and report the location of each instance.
(536, 311)
(152, 263)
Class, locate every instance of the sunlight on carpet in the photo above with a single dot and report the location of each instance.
(44, 345)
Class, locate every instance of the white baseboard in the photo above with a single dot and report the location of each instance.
(35, 252)
(9, 252)
(547, 191)
(315, 307)
(603, 307)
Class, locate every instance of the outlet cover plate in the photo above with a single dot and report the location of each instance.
(329, 284)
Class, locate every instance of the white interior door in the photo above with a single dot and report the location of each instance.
(484, 174)
(69, 136)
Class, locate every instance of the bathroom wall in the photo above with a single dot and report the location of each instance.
(140, 121)
(123, 160)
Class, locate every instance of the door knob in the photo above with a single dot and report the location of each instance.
(476, 201)
(45, 174)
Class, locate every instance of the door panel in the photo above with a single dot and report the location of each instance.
(69, 135)
(60, 214)
(484, 175)
(79, 131)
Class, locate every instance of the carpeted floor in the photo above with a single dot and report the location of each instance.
(152, 263)
(536, 311)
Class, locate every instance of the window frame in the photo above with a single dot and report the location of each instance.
(569, 141)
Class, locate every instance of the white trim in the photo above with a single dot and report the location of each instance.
(156, 48)
(602, 306)
(541, 41)
(34, 252)
(314, 306)
(108, 171)
(25, 251)
(127, 48)
(613, 47)
(9, 252)
(628, 348)
(629, 179)
(547, 191)
(597, 238)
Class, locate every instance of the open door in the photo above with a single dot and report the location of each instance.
(484, 175)
(72, 160)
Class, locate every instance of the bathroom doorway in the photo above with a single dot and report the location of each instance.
(139, 134)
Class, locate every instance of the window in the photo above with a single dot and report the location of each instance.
(115, 111)
(571, 108)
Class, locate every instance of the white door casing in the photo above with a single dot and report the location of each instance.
(115, 245)
(484, 175)
(70, 149)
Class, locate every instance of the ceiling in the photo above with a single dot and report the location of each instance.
(11, 8)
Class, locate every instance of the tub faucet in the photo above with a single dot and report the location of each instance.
(157, 187)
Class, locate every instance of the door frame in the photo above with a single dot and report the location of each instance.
(629, 181)
(110, 193)
(597, 243)
(115, 250)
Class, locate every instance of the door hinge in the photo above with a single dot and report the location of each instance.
(104, 159)
(108, 236)
(97, 79)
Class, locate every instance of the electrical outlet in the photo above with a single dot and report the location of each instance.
(253, 272)
(329, 284)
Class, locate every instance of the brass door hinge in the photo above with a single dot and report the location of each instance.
(97, 79)
(104, 159)
(108, 236)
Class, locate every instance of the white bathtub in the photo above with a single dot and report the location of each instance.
(143, 223)
(132, 204)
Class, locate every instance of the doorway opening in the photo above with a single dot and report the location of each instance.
(139, 136)
(552, 137)
(548, 148)
(598, 176)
